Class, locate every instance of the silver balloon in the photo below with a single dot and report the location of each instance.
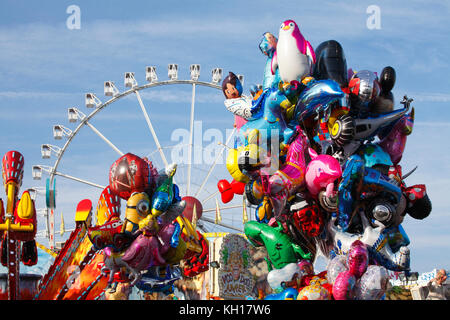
(368, 85)
(336, 265)
(373, 283)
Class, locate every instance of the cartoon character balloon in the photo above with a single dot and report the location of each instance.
(314, 291)
(268, 46)
(237, 103)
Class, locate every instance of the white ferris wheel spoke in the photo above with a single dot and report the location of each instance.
(150, 126)
(191, 135)
(221, 224)
(212, 195)
(223, 208)
(104, 138)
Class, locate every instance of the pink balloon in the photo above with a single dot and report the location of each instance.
(343, 287)
(306, 266)
(286, 180)
(394, 143)
(357, 259)
(239, 122)
(321, 173)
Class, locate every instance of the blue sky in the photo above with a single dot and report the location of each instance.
(46, 68)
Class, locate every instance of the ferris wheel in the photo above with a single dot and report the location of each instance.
(195, 180)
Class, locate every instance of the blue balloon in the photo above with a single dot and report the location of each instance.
(269, 119)
(270, 80)
(317, 97)
(287, 294)
(374, 154)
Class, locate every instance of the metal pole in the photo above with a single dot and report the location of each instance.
(52, 229)
(13, 267)
(11, 244)
(104, 138)
(79, 180)
(191, 135)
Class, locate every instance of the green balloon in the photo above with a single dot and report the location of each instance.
(280, 248)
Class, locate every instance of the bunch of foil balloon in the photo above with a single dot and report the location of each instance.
(318, 155)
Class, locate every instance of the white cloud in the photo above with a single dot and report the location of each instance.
(431, 97)
(35, 95)
(432, 123)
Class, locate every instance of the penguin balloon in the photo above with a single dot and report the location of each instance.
(294, 56)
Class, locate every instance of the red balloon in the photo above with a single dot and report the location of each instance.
(309, 220)
(226, 192)
(131, 173)
(189, 208)
(237, 187)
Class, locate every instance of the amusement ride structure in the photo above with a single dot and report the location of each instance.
(81, 251)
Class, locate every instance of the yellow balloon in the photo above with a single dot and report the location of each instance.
(233, 167)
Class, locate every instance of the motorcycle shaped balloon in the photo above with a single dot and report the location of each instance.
(375, 240)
